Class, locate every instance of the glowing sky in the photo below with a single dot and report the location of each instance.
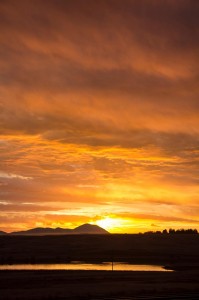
(99, 114)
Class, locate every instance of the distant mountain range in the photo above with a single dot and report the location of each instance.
(83, 229)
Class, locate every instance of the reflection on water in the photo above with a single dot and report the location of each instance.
(106, 266)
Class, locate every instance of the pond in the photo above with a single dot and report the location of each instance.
(106, 266)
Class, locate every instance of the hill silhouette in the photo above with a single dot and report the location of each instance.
(42, 231)
(82, 229)
(89, 229)
(2, 232)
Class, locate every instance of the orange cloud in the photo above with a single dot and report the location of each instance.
(98, 112)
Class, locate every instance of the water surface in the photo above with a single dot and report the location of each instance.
(106, 266)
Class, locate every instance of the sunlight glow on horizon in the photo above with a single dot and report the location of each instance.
(110, 223)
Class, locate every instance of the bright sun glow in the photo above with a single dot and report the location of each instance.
(109, 223)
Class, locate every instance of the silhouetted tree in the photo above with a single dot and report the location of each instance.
(183, 231)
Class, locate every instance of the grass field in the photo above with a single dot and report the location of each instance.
(149, 249)
(55, 285)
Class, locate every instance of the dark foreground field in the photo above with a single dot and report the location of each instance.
(180, 252)
(152, 248)
(60, 285)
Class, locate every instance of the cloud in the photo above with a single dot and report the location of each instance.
(24, 207)
(99, 106)
(11, 176)
(160, 218)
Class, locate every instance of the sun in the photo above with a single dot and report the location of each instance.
(108, 223)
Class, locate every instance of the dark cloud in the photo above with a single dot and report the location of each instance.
(25, 208)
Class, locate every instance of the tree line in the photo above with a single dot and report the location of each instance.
(174, 231)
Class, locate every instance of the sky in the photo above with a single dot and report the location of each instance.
(99, 114)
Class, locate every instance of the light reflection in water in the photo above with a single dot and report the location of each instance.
(107, 266)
